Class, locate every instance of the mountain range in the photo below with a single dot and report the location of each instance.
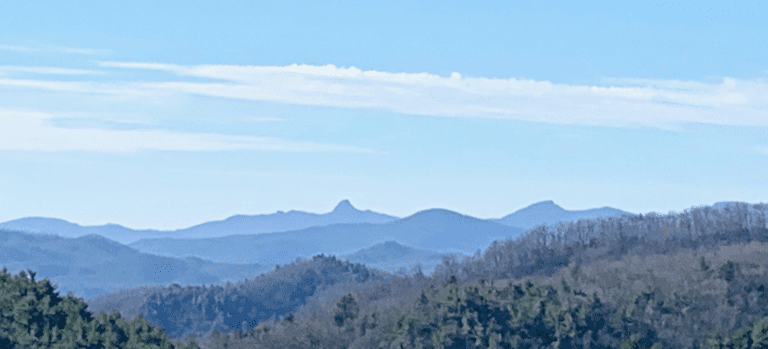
(280, 221)
(546, 212)
(343, 213)
(437, 230)
(91, 260)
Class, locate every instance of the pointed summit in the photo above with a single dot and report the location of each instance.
(344, 206)
(549, 204)
(550, 213)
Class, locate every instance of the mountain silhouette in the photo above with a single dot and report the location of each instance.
(344, 207)
(436, 230)
(343, 213)
(545, 212)
(549, 213)
(60, 227)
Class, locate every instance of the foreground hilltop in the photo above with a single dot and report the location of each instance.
(199, 310)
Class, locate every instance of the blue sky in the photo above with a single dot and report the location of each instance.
(165, 115)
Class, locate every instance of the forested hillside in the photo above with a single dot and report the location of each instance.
(198, 310)
(691, 299)
(546, 249)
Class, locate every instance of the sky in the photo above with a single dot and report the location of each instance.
(169, 114)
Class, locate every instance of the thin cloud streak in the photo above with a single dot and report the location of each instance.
(118, 89)
(32, 131)
(647, 102)
(9, 69)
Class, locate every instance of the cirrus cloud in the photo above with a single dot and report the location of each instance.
(10, 69)
(622, 102)
(625, 102)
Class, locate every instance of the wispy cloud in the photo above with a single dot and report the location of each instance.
(121, 89)
(625, 102)
(11, 69)
(628, 102)
(33, 131)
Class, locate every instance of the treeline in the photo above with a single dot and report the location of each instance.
(450, 316)
(546, 249)
(33, 315)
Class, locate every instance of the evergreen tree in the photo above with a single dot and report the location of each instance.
(741, 339)
(346, 309)
(33, 315)
(760, 335)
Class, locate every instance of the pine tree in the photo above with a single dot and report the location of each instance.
(346, 309)
(33, 315)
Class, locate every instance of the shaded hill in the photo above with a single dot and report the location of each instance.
(549, 213)
(91, 264)
(343, 213)
(198, 310)
(391, 256)
(437, 229)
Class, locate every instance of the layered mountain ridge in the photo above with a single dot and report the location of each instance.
(343, 213)
(91, 260)
(436, 230)
(545, 212)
